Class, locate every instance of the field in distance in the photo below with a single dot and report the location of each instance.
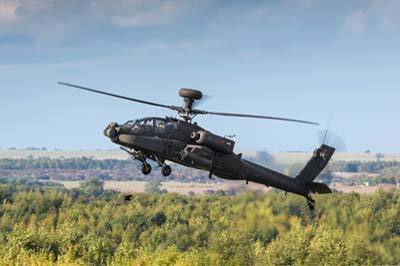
(204, 188)
(172, 186)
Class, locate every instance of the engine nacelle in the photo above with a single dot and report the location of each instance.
(214, 142)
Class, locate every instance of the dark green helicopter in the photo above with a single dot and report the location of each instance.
(188, 144)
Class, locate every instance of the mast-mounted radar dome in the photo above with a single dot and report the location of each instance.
(190, 93)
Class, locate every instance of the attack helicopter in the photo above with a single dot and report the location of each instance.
(184, 142)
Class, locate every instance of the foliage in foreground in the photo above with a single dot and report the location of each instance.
(43, 226)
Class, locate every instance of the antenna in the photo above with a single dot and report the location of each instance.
(326, 130)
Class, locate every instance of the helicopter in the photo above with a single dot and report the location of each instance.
(184, 142)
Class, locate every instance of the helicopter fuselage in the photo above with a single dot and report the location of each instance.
(169, 139)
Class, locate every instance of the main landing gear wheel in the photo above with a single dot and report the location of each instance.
(166, 170)
(146, 169)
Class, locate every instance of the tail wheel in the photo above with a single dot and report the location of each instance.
(146, 169)
(311, 203)
(166, 170)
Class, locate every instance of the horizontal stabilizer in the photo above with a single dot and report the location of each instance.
(319, 188)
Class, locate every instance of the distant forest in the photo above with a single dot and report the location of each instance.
(85, 163)
(90, 226)
(65, 169)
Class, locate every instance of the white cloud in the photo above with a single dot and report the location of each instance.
(308, 3)
(157, 16)
(36, 5)
(142, 13)
(388, 10)
(16, 11)
(377, 14)
(356, 21)
(120, 13)
(8, 12)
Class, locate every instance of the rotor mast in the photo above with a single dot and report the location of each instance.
(189, 97)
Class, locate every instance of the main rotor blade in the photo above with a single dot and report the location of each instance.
(117, 96)
(255, 116)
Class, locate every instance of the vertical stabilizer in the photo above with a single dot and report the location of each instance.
(315, 165)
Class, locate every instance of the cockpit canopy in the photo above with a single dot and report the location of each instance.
(149, 123)
(162, 127)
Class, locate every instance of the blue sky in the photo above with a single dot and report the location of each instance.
(306, 59)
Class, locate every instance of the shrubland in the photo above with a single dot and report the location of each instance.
(88, 226)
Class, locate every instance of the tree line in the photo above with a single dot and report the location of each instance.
(45, 168)
(363, 166)
(65, 169)
(78, 163)
(88, 163)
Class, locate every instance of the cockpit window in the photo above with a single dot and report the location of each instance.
(145, 124)
(130, 123)
(149, 123)
(160, 123)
